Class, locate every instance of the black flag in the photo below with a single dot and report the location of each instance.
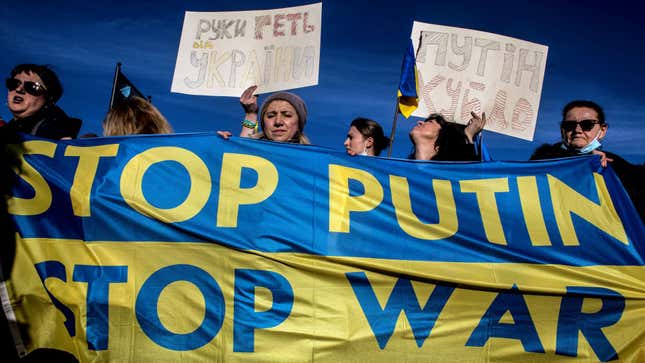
(123, 88)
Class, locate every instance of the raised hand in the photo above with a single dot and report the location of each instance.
(475, 125)
(249, 101)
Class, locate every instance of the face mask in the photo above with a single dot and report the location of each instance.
(593, 145)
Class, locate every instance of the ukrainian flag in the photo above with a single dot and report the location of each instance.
(408, 94)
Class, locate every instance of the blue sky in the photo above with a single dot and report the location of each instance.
(595, 52)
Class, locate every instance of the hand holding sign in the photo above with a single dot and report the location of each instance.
(249, 101)
(475, 126)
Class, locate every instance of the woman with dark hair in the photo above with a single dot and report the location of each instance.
(365, 137)
(582, 128)
(32, 93)
(436, 139)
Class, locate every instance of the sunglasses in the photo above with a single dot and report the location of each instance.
(33, 88)
(585, 125)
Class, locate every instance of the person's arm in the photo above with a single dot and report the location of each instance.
(249, 103)
(475, 126)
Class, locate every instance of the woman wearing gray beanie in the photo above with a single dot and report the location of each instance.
(282, 117)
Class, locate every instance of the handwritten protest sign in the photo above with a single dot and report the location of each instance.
(463, 70)
(222, 53)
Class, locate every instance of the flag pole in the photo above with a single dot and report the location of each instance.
(396, 116)
(117, 70)
(408, 74)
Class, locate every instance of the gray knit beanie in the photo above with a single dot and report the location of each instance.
(294, 100)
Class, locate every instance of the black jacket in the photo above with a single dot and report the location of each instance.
(49, 122)
(632, 176)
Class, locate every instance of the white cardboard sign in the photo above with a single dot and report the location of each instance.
(462, 70)
(222, 53)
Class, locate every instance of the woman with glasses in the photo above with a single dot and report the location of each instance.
(582, 128)
(436, 139)
(32, 93)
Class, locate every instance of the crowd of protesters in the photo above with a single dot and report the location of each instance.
(33, 91)
(582, 128)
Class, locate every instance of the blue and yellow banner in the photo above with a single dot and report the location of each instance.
(194, 248)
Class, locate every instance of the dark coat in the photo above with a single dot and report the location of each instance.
(49, 122)
(632, 176)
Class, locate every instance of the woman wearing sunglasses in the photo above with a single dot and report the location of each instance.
(582, 128)
(32, 92)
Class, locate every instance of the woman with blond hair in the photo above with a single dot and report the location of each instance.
(134, 116)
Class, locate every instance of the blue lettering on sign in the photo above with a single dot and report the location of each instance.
(523, 328)
(56, 269)
(572, 320)
(98, 280)
(383, 321)
(246, 319)
(147, 315)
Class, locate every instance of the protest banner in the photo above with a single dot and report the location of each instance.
(223, 53)
(463, 70)
(189, 247)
